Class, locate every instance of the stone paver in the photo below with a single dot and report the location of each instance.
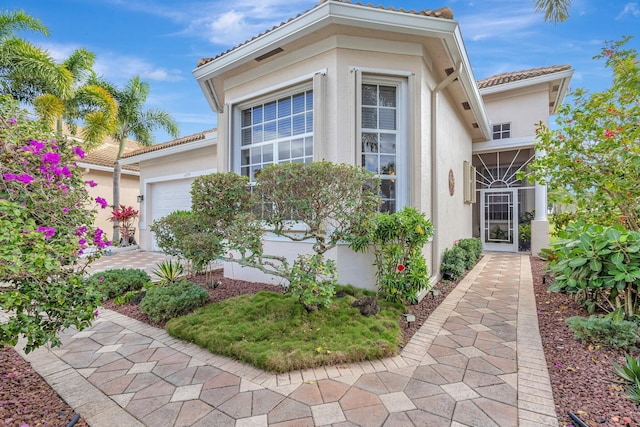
(477, 360)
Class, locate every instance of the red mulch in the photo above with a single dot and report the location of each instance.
(581, 376)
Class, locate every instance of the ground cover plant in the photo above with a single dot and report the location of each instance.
(273, 332)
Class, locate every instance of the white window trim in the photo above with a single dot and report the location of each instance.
(400, 80)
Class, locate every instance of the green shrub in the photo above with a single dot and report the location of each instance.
(599, 265)
(604, 331)
(169, 271)
(177, 299)
(113, 283)
(454, 263)
(397, 240)
(313, 280)
(473, 247)
(630, 373)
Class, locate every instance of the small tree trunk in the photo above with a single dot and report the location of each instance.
(117, 169)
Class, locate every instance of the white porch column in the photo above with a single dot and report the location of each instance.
(540, 223)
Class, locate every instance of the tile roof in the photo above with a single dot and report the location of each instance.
(180, 141)
(443, 12)
(515, 76)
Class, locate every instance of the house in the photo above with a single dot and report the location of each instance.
(166, 173)
(391, 90)
(97, 166)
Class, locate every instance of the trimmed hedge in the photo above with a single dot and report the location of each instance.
(166, 302)
(113, 283)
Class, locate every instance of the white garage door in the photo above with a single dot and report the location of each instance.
(167, 197)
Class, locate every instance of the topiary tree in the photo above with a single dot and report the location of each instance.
(46, 223)
(593, 157)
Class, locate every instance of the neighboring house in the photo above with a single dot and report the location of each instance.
(98, 167)
(393, 91)
(166, 173)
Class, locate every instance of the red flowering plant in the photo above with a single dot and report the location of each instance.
(46, 224)
(125, 216)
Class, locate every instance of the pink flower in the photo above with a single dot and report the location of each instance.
(79, 152)
(13, 121)
(95, 313)
(81, 230)
(34, 146)
(65, 210)
(47, 231)
(91, 183)
(82, 242)
(102, 202)
(400, 268)
(23, 177)
(101, 279)
(609, 134)
(51, 157)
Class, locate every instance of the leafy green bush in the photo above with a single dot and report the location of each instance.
(473, 247)
(599, 265)
(397, 240)
(113, 283)
(604, 331)
(630, 373)
(177, 299)
(313, 281)
(454, 263)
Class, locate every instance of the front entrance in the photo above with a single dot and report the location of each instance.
(499, 219)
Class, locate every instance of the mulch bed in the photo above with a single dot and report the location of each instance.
(581, 377)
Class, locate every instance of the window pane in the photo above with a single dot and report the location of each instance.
(284, 151)
(370, 162)
(387, 143)
(246, 136)
(267, 153)
(297, 148)
(387, 119)
(388, 165)
(369, 118)
(257, 115)
(387, 189)
(310, 122)
(270, 131)
(256, 155)
(270, 111)
(284, 107)
(387, 96)
(298, 125)
(370, 142)
(244, 171)
(255, 170)
(246, 117)
(298, 103)
(388, 206)
(369, 95)
(257, 134)
(309, 99)
(244, 157)
(308, 147)
(284, 127)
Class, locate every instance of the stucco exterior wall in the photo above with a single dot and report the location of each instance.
(518, 107)
(129, 188)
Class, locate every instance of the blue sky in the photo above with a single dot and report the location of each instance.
(162, 40)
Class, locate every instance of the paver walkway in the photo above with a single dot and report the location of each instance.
(477, 361)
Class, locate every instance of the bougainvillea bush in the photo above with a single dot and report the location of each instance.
(46, 224)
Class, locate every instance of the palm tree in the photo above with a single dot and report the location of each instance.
(25, 68)
(554, 10)
(134, 121)
(77, 99)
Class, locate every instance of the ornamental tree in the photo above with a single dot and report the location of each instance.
(46, 218)
(594, 154)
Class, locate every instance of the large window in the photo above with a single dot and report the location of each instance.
(276, 131)
(381, 137)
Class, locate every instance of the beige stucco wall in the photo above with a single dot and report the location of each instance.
(519, 107)
(181, 165)
(129, 188)
(339, 56)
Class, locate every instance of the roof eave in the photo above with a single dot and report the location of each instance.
(210, 139)
(321, 16)
(102, 168)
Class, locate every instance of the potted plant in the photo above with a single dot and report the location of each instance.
(524, 236)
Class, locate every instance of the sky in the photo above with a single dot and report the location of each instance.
(162, 40)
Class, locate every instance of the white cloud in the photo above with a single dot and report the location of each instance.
(629, 9)
(485, 26)
(120, 68)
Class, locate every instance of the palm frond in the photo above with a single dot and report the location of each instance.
(49, 108)
(14, 21)
(554, 10)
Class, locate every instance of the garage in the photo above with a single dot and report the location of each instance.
(167, 197)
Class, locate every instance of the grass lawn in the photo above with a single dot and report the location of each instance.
(275, 332)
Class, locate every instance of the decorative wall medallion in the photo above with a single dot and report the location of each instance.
(452, 183)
